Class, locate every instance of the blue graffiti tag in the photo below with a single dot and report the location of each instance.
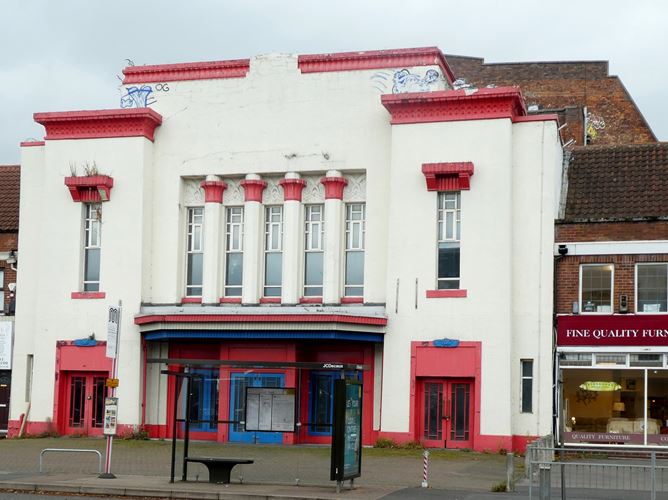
(405, 81)
(137, 97)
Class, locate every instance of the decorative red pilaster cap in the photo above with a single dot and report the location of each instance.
(448, 176)
(292, 188)
(253, 189)
(334, 187)
(213, 191)
(90, 188)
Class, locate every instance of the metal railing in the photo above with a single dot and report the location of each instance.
(70, 450)
(554, 472)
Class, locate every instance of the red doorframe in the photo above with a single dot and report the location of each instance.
(72, 358)
(428, 361)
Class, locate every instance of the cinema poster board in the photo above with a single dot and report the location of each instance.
(270, 409)
(346, 460)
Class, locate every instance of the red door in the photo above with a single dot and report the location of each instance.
(446, 413)
(85, 403)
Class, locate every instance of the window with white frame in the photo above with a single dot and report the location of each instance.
(234, 256)
(652, 288)
(91, 249)
(273, 251)
(449, 234)
(596, 288)
(194, 252)
(526, 366)
(355, 230)
(313, 250)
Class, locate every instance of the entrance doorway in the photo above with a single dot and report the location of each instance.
(85, 393)
(238, 384)
(446, 413)
(5, 377)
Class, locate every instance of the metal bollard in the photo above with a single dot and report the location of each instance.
(510, 471)
(425, 468)
(545, 485)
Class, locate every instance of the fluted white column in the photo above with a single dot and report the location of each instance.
(332, 269)
(253, 230)
(292, 238)
(213, 199)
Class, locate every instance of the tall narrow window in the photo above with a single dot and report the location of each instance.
(92, 217)
(449, 231)
(234, 251)
(355, 228)
(195, 255)
(273, 251)
(527, 385)
(313, 250)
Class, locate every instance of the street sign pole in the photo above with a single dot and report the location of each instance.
(111, 403)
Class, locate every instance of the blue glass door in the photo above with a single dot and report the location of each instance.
(321, 400)
(238, 384)
(204, 401)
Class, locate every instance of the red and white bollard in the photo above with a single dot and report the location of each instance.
(425, 468)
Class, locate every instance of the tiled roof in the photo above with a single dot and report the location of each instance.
(618, 182)
(10, 176)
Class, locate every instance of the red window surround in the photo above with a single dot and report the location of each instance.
(451, 176)
(88, 295)
(191, 300)
(90, 189)
(442, 294)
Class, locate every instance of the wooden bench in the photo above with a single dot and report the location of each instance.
(219, 468)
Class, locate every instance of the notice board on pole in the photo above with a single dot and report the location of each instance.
(346, 460)
(270, 409)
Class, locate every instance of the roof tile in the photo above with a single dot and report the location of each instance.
(10, 177)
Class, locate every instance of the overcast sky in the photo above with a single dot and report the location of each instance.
(59, 55)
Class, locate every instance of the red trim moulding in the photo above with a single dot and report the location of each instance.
(88, 295)
(455, 105)
(452, 176)
(213, 191)
(105, 123)
(270, 300)
(310, 300)
(259, 318)
(28, 144)
(253, 189)
(334, 187)
(375, 59)
(292, 189)
(352, 300)
(230, 300)
(191, 300)
(440, 294)
(90, 189)
(208, 70)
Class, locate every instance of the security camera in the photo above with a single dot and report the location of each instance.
(563, 249)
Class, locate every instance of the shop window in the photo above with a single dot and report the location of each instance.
(234, 256)
(652, 288)
(273, 251)
(646, 360)
(194, 252)
(313, 250)
(92, 246)
(449, 232)
(596, 288)
(611, 359)
(527, 385)
(355, 234)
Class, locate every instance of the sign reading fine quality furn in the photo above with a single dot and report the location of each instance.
(612, 330)
(6, 345)
(347, 432)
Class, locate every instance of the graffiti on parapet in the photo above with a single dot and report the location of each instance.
(402, 81)
(137, 97)
(594, 124)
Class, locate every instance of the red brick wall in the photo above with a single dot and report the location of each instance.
(8, 242)
(610, 231)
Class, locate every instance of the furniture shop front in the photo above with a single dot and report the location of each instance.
(612, 374)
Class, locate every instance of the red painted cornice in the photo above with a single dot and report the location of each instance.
(90, 188)
(209, 70)
(449, 176)
(132, 122)
(29, 144)
(455, 105)
(375, 59)
(259, 318)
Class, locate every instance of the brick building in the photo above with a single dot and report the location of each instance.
(9, 229)
(582, 93)
(611, 298)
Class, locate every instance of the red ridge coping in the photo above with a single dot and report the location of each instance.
(537, 118)
(375, 59)
(455, 105)
(28, 144)
(131, 122)
(259, 318)
(440, 294)
(88, 295)
(207, 70)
